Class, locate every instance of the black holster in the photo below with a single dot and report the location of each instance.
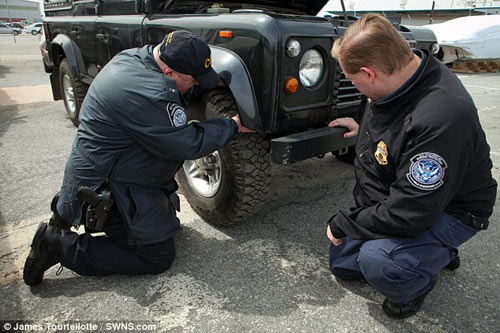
(98, 208)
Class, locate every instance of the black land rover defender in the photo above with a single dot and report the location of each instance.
(274, 57)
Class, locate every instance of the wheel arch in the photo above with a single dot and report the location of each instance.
(63, 47)
(235, 75)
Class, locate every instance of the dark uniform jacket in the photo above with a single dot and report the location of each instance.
(420, 152)
(133, 133)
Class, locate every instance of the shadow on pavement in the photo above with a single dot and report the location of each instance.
(263, 277)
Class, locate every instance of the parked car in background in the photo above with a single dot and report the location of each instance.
(5, 29)
(15, 25)
(33, 29)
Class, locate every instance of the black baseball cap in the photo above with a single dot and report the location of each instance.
(189, 54)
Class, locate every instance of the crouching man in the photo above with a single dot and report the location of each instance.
(423, 170)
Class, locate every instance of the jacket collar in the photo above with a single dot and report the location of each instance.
(146, 54)
(410, 83)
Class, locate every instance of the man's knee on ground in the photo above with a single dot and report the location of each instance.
(158, 268)
(158, 257)
(161, 264)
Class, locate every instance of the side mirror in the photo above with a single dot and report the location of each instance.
(97, 7)
(138, 6)
(148, 6)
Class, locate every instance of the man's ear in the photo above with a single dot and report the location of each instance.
(370, 72)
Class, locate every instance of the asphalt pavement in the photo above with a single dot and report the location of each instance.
(269, 274)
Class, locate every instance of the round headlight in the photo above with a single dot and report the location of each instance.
(310, 68)
(435, 48)
(293, 48)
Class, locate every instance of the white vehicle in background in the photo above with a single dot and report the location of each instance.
(33, 29)
(468, 38)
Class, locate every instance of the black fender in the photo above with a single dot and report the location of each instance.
(71, 52)
(420, 37)
(235, 75)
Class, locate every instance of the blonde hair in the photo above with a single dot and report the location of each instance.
(372, 41)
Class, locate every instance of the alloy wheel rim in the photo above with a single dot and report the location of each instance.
(204, 174)
(69, 94)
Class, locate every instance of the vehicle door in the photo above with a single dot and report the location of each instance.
(82, 32)
(118, 27)
(4, 29)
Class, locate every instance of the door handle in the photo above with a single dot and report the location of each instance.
(102, 37)
(75, 32)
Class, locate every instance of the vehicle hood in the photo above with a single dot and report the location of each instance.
(313, 6)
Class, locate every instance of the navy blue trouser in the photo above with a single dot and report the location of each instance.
(109, 254)
(401, 268)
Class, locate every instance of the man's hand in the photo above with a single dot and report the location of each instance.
(335, 241)
(241, 128)
(349, 123)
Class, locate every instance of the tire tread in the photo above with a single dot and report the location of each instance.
(251, 169)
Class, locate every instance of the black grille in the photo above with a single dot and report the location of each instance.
(345, 95)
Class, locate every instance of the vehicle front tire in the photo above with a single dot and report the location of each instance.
(227, 186)
(34, 32)
(73, 91)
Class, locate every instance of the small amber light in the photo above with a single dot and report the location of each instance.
(225, 34)
(291, 85)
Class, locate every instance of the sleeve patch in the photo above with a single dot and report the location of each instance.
(176, 114)
(426, 171)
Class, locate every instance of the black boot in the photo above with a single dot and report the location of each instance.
(45, 253)
(404, 310)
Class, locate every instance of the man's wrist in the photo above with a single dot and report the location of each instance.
(336, 232)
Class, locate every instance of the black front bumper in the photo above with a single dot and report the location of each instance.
(301, 146)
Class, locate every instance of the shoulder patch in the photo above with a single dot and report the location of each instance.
(426, 171)
(176, 114)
